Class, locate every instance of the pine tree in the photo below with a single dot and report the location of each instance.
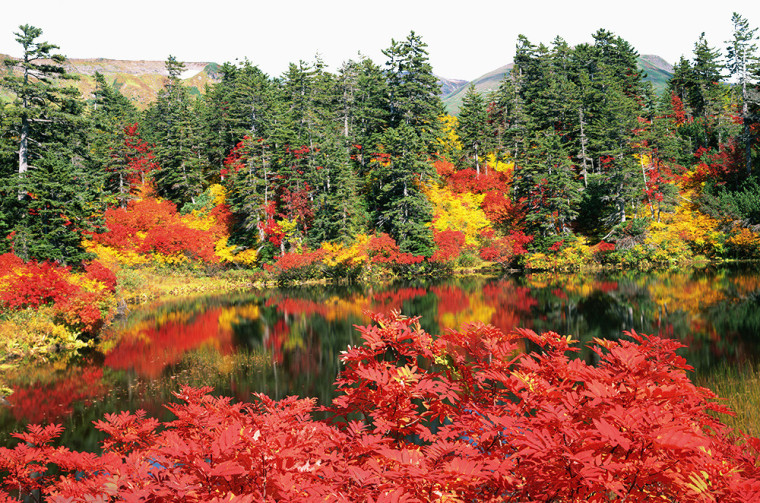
(111, 144)
(414, 90)
(37, 106)
(546, 182)
(402, 209)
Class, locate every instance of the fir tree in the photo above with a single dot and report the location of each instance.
(174, 129)
(472, 126)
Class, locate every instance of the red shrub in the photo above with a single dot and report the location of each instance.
(485, 424)
(449, 243)
(98, 272)
(31, 284)
(505, 250)
(177, 238)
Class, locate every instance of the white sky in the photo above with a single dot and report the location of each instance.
(466, 38)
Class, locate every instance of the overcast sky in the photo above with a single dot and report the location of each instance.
(466, 38)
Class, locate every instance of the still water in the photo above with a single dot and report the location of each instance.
(287, 341)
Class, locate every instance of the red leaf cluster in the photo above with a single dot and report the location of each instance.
(505, 250)
(151, 225)
(461, 417)
(33, 284)
(449, 245)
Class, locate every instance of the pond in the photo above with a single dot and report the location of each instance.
(287, 341)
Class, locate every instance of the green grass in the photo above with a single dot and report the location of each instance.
(739, 389)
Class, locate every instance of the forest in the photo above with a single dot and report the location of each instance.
(358, 175)
(573, 152)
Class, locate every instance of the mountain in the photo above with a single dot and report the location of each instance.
(139, 81)
(450, 86)
(657, 69)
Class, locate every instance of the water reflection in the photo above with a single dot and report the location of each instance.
(283, 342)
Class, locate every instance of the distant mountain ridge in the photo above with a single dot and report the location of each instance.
(138, 80)
(657, 69)
(141, 80)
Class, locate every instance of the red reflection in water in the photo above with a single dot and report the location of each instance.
(385, 302)
(290, 305)
(149, 350)
(451, 299)
(54, 400)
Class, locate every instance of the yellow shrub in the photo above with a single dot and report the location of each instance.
(458, 212)
(229, 253)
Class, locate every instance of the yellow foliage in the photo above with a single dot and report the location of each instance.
(500, 166)
(478, 310)
(458, 212)
(227, 253)
(449, 140)
(746, 241)
(111, 257)
(233, 315)
(684, 232)
(219, 193)
(338, 254)
(572, 255)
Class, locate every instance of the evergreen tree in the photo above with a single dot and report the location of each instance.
(402, 209)
(174, 129)
(39, 98)
(112, 142)
(53, 187)
(240, 105)
(546, 182)
(414, 92)
(506, 116)
(741, 61)
(472, 127)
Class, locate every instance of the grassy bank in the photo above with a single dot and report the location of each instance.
(739, 388)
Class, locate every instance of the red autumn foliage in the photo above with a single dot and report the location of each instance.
(505, 250)
(151, 225)
(382, 248)
(487, 424)
(33, 284)
(98, 272)
(603, 247)
(294, 266)
(678, 110)
(557, 246)
(449, 245)
(177, 238)
(722, 165)
(151, 349)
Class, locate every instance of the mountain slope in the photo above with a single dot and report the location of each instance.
(139, 81)
(657, 69)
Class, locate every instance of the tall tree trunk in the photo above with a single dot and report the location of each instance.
(23, 155)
